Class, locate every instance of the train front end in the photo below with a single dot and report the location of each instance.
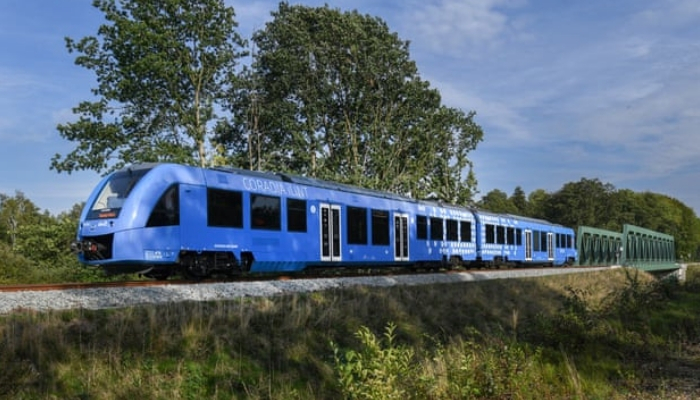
(130, 223)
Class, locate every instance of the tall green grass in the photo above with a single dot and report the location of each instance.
(613, 334)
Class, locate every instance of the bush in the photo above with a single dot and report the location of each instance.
(493, 368)
(15, 268)
(380, 370)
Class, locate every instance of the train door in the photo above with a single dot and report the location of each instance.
(330, 232)
(550, 246)
(193, 218)
(528, 245)
(400, 237)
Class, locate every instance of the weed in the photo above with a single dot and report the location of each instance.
(379, 370)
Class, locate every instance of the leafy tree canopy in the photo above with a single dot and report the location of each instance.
(585, 202)
(497, 201)
(15, 212)
(162, 66)
(519, 201)
(335, 95)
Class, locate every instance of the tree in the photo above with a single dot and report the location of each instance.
(519, 201)
(15, 213)
(335, 95)
(668, 215)
(538, 202)
(585, 202)
(497, 201)
(162, 67)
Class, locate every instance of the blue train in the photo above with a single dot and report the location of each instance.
(161, 219)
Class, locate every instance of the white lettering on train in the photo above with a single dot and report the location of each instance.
(281, 188)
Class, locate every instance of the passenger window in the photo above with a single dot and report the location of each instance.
(452, 230)
(421, 227)
(490, 234)
(167, 209)
(264, 212)
(436, 229)
(543, 237)
(519, 237)
(296, 215)
(501, 234)
(380, 227)
(224, 208)
(465, 231)
(357, 225)
(510, 233)
(536, 240)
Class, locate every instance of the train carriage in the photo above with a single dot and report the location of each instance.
(511, 239)
(444, 235)
(546, 243)
(154, 218)
(158, 219)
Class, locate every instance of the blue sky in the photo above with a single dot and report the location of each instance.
(563, 89)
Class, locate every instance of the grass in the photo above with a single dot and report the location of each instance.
(603, 335)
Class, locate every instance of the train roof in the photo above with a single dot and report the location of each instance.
(324, 184)
(300, 180)
(319, 183)
(518, 217)
(534, 220)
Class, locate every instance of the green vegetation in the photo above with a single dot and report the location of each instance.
(326, 93)
(605, 335)
(591, 202)
(335, 95)
(35, 246)
(162, 68)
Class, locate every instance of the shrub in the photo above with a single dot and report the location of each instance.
(380, 370)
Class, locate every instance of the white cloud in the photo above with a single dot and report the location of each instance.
(457, 27)
(669, 13)
(499, 115)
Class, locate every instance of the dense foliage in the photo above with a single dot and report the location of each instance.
(35, 245)
(590, 202)
(328, 94)
(162, 67)
(335, 95)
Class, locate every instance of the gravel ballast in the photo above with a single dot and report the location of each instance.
(114, 297)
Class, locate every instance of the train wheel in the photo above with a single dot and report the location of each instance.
(455, 262)
(247, 260)
(194, 266)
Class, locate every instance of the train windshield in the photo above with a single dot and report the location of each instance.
(115, 191)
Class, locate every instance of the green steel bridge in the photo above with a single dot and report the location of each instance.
(633, 247)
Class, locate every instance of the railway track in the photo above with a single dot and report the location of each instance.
(152, 283)
(106, 295)
(349, 273)
(41, 287)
